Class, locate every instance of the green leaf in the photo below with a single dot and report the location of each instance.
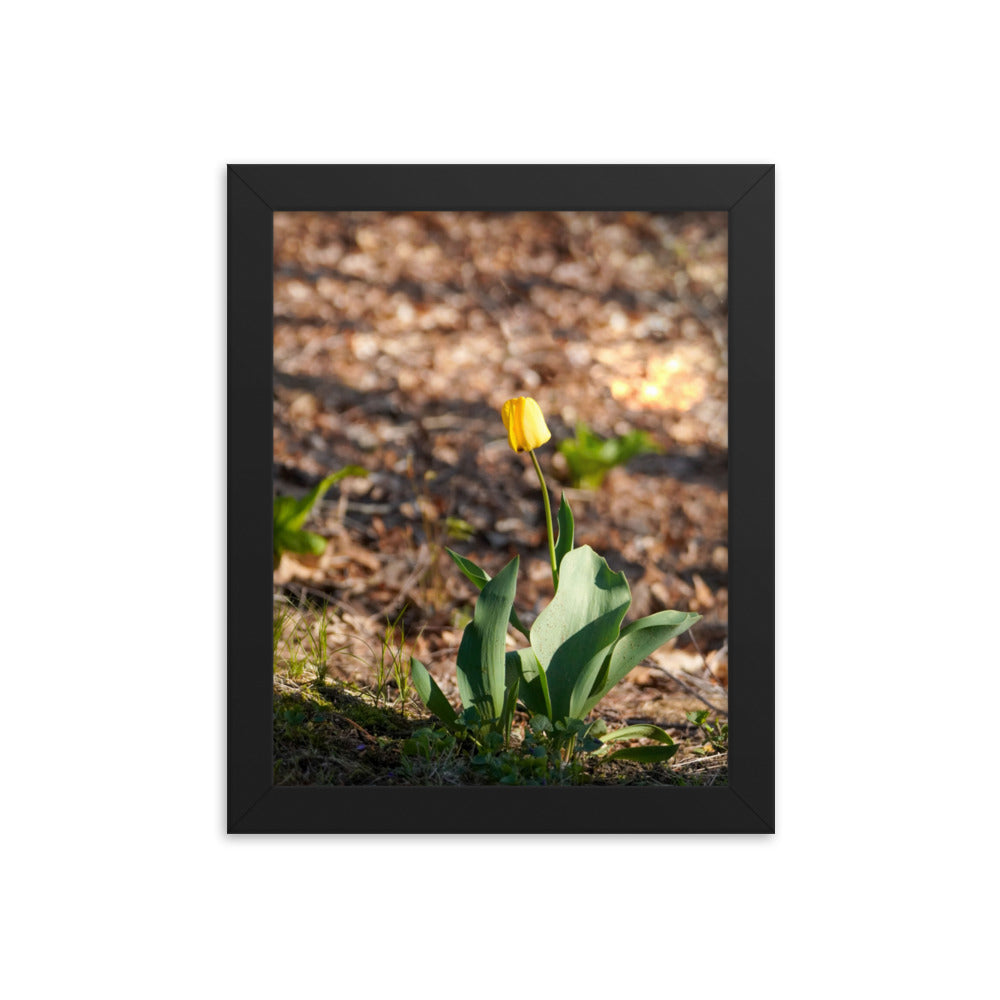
(589, 456)
(493, 741)
(637, 732)
(637, 641)
(645, 755)
(509, 705)
(284, 510)
(572, 636)
(470, 717)
(533, 690)
(475, 573)
(564, 539)
(480, 578)
(481, 664)
(540, 724)
(430, 694)
(291, 513)
(287, 540)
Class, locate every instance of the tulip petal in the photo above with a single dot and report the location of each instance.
(526, 429)
(507, 412)
(535, 432)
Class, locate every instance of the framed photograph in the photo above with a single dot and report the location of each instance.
(509, 431)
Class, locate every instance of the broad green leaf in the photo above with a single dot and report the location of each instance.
(533, 690)
(636, 732)
(430, 694)
(564, 539)
(284, 510)
(582, 673)
(287, 540)
(481, 664)
(637, 641)
(480, 578)
(572, 635)
(645, 755)
(512, 669)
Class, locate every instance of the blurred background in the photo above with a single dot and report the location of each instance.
(397, 338)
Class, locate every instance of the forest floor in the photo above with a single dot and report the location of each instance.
(397, 338)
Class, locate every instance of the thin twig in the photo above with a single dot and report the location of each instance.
(442, 653)
(720, 757)
(691, 691)
(694, 642)
(361, 729)
(328, 598)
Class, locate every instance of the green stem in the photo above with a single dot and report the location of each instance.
(548, 520)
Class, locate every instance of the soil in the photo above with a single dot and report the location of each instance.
(397, 338)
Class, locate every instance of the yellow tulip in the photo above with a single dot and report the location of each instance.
(525, 424)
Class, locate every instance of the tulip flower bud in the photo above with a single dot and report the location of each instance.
(525, 424)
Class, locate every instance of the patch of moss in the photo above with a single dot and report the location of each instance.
(379, 721)
(317, 742)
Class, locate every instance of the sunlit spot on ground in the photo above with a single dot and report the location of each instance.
(669, 384)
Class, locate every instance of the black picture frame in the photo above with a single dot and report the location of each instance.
(746, 804)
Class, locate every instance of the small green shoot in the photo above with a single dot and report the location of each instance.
(290, 514)
(716, 733)
(458, 530)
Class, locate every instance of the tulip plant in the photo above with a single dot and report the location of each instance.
(577, 648)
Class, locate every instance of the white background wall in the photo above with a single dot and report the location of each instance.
(119, 118)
